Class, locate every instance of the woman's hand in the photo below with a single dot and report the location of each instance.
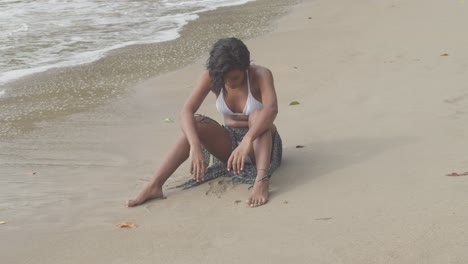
(197, 164)
(237, 159)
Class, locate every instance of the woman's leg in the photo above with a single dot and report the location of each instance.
(212, 136)
(262, 148)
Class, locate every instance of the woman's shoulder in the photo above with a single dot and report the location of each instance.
(260, 70)
(261, 74)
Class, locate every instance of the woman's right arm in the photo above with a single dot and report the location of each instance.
(202, 89)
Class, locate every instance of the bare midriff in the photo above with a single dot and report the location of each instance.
(236, 120)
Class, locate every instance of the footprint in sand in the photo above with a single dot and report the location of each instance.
(456, 99)
(218, 187)
(459, 108)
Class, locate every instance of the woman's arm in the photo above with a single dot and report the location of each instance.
(268, 113)
(264, 121)
(197, 161)
(191, 106)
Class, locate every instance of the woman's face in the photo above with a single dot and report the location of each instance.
(234, 78)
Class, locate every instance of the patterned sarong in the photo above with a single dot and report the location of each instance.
(248, 175)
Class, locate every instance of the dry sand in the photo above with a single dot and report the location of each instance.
(382, 117)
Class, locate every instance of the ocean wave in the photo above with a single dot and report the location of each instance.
(52, 34)
(22, 28)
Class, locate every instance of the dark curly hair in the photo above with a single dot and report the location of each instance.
(225, 55)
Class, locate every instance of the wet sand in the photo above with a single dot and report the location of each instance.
(382, 118)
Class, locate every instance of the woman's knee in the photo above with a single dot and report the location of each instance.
(206, 127)
(253, 117)
(268, 133)
(202, 122)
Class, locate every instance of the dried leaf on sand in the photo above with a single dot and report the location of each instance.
(458, 174)
(126, 225)
(324, 218)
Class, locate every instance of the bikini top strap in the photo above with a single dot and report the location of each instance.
(248, 80)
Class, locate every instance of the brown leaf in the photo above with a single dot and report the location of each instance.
(445, 54)
(126, 225)
(324, 218)
(458, 174)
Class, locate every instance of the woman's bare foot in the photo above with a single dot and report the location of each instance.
(259, 194)
(150, 192)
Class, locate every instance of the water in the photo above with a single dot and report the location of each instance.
(61, 58)
(42, 34)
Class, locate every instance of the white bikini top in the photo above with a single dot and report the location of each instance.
(251, 105)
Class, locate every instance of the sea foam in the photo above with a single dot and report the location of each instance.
(48, 34)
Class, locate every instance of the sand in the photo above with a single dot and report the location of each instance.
(382, 118)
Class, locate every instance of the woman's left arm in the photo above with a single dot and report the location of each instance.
(267, 114)
(263, 121)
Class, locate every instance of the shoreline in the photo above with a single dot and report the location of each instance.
(94, 55)
(59, 92)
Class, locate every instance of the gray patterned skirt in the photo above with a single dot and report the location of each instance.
(248, 175)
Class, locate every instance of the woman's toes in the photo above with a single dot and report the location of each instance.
(132, 203)
(254, 202)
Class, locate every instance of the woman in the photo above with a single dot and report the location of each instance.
(247, 99)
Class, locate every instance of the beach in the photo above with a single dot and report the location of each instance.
(381, 121)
